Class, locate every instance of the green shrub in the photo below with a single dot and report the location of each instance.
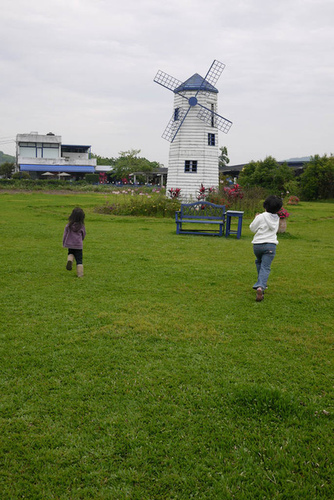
(140, 204)
(92, 178)
(147, 203)
(81, 186)
(7, 169)
(21, 175)
(292, 187)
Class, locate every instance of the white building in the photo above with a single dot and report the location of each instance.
(40, 154)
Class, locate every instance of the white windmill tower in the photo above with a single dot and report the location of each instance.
(193, 131)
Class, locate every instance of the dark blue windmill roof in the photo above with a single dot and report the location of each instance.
(196, 82)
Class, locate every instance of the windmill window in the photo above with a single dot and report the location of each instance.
(212, 115)
(190, 166)
(211, 139)
(176, 114)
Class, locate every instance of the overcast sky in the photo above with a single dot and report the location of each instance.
(84, 69)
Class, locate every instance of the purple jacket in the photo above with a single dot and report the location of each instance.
(74, 236)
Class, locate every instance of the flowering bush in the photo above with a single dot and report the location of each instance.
(204, 192)
(293, 200)
(145, 201)
(248, 200)
(103, 178)
(201, 193)
(234, 193)
(174, 192)
(225, 196)
(283, 214)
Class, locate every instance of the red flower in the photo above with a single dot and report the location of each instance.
(282, 213)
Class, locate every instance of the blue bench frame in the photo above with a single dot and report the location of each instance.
(201, 212)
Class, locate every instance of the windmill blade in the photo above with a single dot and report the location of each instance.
(167, 81)
(212, 76)
(214, 72)
(220, 122)
(181, 122)
(173, 125)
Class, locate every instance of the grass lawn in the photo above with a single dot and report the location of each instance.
(157, 375)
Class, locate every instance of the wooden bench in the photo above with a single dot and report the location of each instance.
(201, 212)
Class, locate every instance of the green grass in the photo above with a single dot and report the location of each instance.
(157, 375)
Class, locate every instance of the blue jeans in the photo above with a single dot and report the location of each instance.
(264, 253)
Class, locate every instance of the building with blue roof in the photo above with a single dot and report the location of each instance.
(42, 155)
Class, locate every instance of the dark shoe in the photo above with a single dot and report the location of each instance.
(69, 265)
(259, 295)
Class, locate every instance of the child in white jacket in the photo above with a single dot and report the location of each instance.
(265, 227)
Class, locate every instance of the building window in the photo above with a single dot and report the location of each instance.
(176, 114)
(27, 144)
(38, 150)
(211, 139)
(28, 149)
(190, 166)
(75, 149)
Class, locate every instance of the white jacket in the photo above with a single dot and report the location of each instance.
(265, 227)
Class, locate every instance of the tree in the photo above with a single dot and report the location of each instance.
(223, 157)
(268, 174)
(246, 177)
(6, 169)
(130, 162)
(317, 181)
(101, 160)
(282, 178)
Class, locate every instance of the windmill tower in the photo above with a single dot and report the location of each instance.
(193, 131)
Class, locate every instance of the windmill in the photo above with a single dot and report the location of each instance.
(193, 131)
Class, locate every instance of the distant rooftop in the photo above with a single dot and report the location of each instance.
(297, 164)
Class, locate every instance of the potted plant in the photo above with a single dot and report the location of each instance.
(283, 215)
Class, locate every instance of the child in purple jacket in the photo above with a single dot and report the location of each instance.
(74, 234)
